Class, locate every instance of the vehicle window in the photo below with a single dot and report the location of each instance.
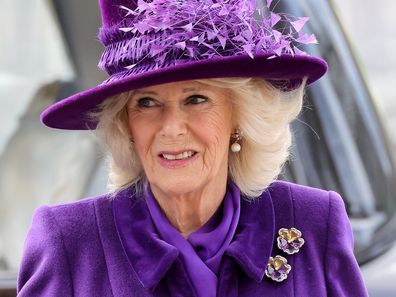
(370, 29)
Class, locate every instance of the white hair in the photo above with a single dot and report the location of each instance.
(262, 112)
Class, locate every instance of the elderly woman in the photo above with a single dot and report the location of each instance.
(195, 115)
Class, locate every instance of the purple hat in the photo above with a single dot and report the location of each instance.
(151, 42)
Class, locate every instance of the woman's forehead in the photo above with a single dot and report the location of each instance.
(182, 86)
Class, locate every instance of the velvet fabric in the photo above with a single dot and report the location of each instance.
(72, 112)
(74, 249)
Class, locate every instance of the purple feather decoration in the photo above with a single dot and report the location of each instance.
(159, 33)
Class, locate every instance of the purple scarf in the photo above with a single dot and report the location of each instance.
(202, 252)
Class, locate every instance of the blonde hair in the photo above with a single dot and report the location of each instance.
(262, 112)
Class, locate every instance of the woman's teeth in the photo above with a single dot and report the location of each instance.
(181, 156)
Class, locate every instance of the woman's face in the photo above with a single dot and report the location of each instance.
(181, 133)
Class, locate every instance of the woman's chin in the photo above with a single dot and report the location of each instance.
(179, 185)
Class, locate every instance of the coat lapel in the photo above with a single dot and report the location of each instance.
(284, 218)
(132, 270)
(138, 235)
(252, 244)
(122, 278)
(255, 242)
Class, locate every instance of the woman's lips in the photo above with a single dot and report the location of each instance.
(177, 159)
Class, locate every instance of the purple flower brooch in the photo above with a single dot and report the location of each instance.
(277, 269)
(289, 241)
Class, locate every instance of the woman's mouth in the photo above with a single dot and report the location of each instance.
(180, 156)
(174, 160)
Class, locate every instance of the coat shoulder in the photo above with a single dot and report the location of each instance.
(298, 191)
(61, 240)
(77, 213)
(76, 220)
(303, 197)
(305, 207)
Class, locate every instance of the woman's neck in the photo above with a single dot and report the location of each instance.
(187, 212)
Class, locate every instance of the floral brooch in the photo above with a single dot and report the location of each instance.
(277, 269)
(289, 241)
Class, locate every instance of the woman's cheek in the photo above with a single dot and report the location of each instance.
(216, 142)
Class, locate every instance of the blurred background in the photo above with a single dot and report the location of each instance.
(345, 138)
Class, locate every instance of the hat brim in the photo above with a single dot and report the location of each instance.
(72, 113)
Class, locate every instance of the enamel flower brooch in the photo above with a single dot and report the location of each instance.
(277, 269)
(289, 241)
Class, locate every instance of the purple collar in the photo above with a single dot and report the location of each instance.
(251, 246)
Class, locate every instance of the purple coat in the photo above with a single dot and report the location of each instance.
(74, 249)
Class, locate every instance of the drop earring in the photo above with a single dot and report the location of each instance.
(237, 136)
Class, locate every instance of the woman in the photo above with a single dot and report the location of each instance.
(196, 116)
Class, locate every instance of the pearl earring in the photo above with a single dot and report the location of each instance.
(237, 136)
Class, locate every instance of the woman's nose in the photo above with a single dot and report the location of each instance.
(173, 122)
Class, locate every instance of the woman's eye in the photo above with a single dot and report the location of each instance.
(145, 102)
(197, 99)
